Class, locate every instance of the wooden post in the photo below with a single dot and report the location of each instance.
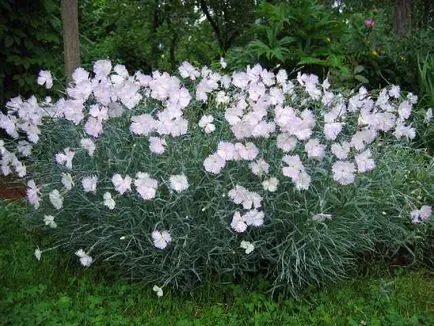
(71, 40)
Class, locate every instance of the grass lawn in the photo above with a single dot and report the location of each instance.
(57, 291)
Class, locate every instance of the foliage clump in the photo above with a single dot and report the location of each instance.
(172, 179)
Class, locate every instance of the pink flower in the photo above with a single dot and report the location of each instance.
(369, 22)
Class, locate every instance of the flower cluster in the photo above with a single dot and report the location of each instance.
(287, 134)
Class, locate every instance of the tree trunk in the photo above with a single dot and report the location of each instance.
(71, 40)
(402, 17)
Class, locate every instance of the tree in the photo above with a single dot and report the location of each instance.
(402, 17)
(71, 40)
(228, 19)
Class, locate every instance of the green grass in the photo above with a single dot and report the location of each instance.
(57, 291)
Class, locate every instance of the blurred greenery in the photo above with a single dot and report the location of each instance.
(326, 37)
(57, 291)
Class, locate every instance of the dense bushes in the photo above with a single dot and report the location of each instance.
(174, 179)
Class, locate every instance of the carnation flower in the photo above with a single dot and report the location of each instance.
(238, 223)
(108, 201)
(425, 212)
(161, 239)
(343, 172)
(178, 183)
(342, 150)
(364, 161)
(260, 167)
(38, 253)
(145, 185)
(314, 149)
(45, 78)
(270, 184)
(93, 127)
(67, 181)
(56, 199)
(214, 163)
(33, 194)
(85, 259)
(102, 68)
(122, 185)
(65, 158)
(49, 220)
(226, 151)
(88, 145)
(89, 183)
(248, 246)
(158, 291)
(242, 196)
(302, 181)
(294, 166)
(428, 116)
(321, 217)
(254, 217)
(157, 145)
(142, 124)
(286, 142)
(332, 130)
(223, 63)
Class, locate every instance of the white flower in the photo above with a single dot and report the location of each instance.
(321, 217)
(238, 223)
(33, 194)
(158, 291)
(93, 127)
(214, 163)
(89, 183)
(145, 185)
(395, 91)
(85, 259)
(206, 124)
(56, 199)
(49, 220)
(341, 151)
(260, 167)
(248, 246)
(364, 161)
(178, 183)
(332, 130)
(414, 215)
(223, 63)
(109, 201)
(157, 145)
(122, 185)
(242, 196)
(205, 120)
(38, 253)
(270, 184)
(161, 239)
(294, 168)
(66, 157)
(102, 68)
(428, 116)
(45, 77)
(314, 149)
(226, 151)
(302, 181)
(286, 142)
(88, 145)
(67, 181)
(425, 212)
(343, 172)
(254, 217)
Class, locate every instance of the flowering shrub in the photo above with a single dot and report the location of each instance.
(172, 179)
